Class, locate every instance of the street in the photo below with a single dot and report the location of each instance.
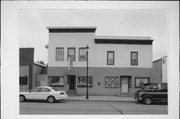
(91, 107)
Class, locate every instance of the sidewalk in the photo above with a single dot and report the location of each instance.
(100, 98)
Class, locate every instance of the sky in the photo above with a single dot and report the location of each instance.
(119, 22)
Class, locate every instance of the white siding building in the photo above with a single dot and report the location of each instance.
(117, 65)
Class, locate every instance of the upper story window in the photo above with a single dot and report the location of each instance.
(82, 54)
(110, 57)
(71, 52)
(59, 54)
(134, 58)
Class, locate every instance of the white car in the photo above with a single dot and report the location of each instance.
(43, 93)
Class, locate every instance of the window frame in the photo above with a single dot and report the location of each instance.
(108, 57)
(32, 90)
(148, 78)
(85, 53)
(113, 77)
(130, 82)
(74, 52)
(47, 90)
(61, 59)
(84, 86)
(132, 63)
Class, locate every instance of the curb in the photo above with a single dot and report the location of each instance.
(101, 100)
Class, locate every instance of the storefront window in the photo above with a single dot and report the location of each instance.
(82, 81)
(140, 81)
(57, 81)
(112, 82)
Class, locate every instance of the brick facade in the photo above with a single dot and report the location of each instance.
(99, 74)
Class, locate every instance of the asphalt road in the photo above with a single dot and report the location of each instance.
(91, 107)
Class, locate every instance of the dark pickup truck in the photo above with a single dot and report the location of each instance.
(152, 92)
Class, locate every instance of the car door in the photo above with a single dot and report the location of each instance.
(33, 94)
(43, 93)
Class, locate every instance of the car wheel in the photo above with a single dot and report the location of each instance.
(51, 99)
(147, 100)
(22, 98)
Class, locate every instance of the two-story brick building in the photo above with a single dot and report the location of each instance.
(117, 65)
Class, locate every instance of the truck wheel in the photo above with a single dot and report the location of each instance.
(140, 101)
(147, 100)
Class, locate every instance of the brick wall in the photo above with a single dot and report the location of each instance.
(26, 56)
(99, 75)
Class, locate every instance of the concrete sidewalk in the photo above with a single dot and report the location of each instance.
(100, 98)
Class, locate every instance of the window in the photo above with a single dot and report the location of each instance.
(59, 54)
(82, 81)
(71, 53)
(112, 82)
(56, 80)
(82, 54)
(23, 80)
(134, 58)
(44, 90)
(35, 90)
(140, 81)
(110, 57)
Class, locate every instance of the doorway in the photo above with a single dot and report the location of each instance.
(72, 82)
(125, 84)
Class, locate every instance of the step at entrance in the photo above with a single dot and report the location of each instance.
(71, 92)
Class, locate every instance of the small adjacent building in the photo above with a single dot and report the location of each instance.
(117, 65)
(28, 70)
(160, 70)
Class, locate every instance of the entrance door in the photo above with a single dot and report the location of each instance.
(72, 82)
(124, 84)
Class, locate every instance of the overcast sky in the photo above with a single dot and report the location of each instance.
(151, 23)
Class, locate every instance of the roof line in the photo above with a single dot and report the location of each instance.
(71, 29)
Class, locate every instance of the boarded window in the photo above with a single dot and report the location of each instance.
(112, 82)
